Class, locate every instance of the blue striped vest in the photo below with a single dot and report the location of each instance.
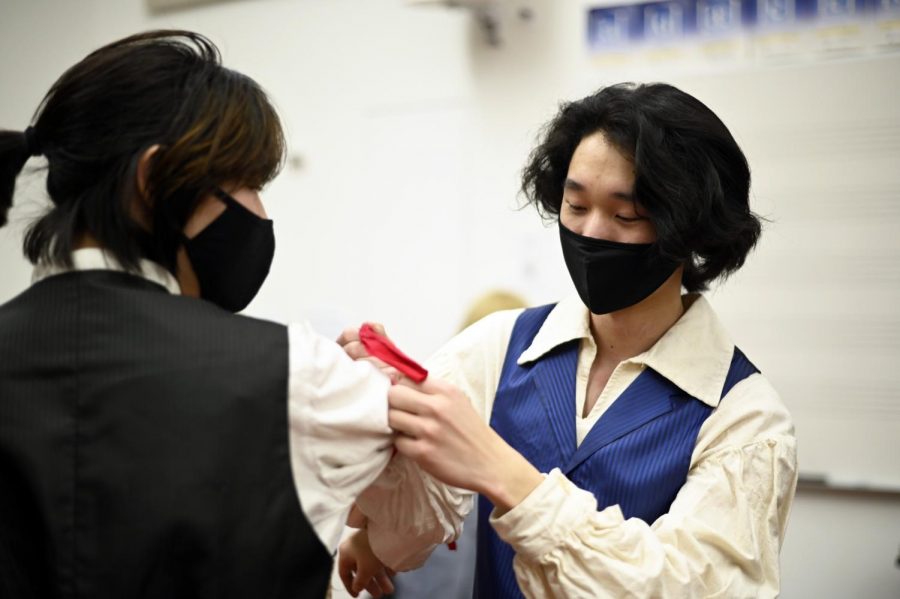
(637, 455)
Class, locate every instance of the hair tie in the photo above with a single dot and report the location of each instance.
(31, 142)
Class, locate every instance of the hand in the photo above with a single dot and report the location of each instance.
(350, 343)
(442, 432)
(353, 347)
(359, 568)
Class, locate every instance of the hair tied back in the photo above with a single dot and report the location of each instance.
(32, 144)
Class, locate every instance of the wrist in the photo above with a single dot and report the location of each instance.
(511, 480)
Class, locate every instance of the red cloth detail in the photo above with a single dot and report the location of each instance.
(381, 347)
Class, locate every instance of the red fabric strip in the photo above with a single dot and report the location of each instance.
(382, 348)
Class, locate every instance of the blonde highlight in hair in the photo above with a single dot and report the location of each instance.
(166, 89)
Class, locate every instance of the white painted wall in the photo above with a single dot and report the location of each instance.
(412, 132)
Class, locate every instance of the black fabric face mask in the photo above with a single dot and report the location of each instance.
(609, 275)
(232, 255)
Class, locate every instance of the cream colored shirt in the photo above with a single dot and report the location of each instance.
(722, 534)
(337, 412)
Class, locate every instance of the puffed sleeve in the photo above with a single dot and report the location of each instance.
(339, 436)
(409, 512)
(721, 536)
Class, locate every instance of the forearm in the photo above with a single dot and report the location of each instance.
(338, 435)
(508, 477)
(409, 514)
(719, 538)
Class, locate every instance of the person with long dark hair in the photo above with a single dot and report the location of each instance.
(621, 444)
(153, 443)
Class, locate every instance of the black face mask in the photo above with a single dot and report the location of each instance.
(232, 255)
(609, 275)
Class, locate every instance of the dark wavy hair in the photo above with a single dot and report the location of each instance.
(691, 178)
(213, 126)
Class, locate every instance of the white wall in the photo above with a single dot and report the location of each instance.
(410, 133)
(842, 545)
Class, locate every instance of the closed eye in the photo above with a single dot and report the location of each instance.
(575, 208)
(630, 219)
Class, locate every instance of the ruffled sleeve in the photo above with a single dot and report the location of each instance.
(720, 538)
(410, 513)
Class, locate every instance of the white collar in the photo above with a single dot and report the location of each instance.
(99, 259)
(694, 354)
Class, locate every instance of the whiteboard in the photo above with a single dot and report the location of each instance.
(817, 306)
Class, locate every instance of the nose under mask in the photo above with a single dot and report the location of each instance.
(610, 275)
(232, 255)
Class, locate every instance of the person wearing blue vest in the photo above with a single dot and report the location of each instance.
(619, 442)
(154, 444)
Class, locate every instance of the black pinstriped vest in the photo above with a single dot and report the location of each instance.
(144, 448)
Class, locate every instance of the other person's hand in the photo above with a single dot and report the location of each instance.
(353, 347)
(359, 568)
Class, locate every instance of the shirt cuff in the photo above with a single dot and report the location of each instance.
(554, 510)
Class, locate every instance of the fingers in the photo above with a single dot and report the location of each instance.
(355, 350)
(351, 334)
(375, 589)
(380, 586)
(365, 578)
(346, 566)
(409, 447)
(409, 399)
(359, 568)
(355, 581)
(350, 343)
(405, 423)
(431, 386)
(377, 586)
(348, 335)
(435, 386)
(378, 328)
(427, 398)
(384, 581)
(414, 413)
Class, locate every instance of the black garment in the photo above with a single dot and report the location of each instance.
(144, 448)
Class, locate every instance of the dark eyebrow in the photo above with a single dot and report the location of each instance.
(576, 186)
(573, 185)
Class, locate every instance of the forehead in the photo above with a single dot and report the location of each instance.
(598, 165)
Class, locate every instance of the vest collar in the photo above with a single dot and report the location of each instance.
(694, 354)
(98, 259)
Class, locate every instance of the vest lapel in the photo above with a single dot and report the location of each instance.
(647, 398)
(554, 378)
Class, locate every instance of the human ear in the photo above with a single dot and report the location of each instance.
(143, 171)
